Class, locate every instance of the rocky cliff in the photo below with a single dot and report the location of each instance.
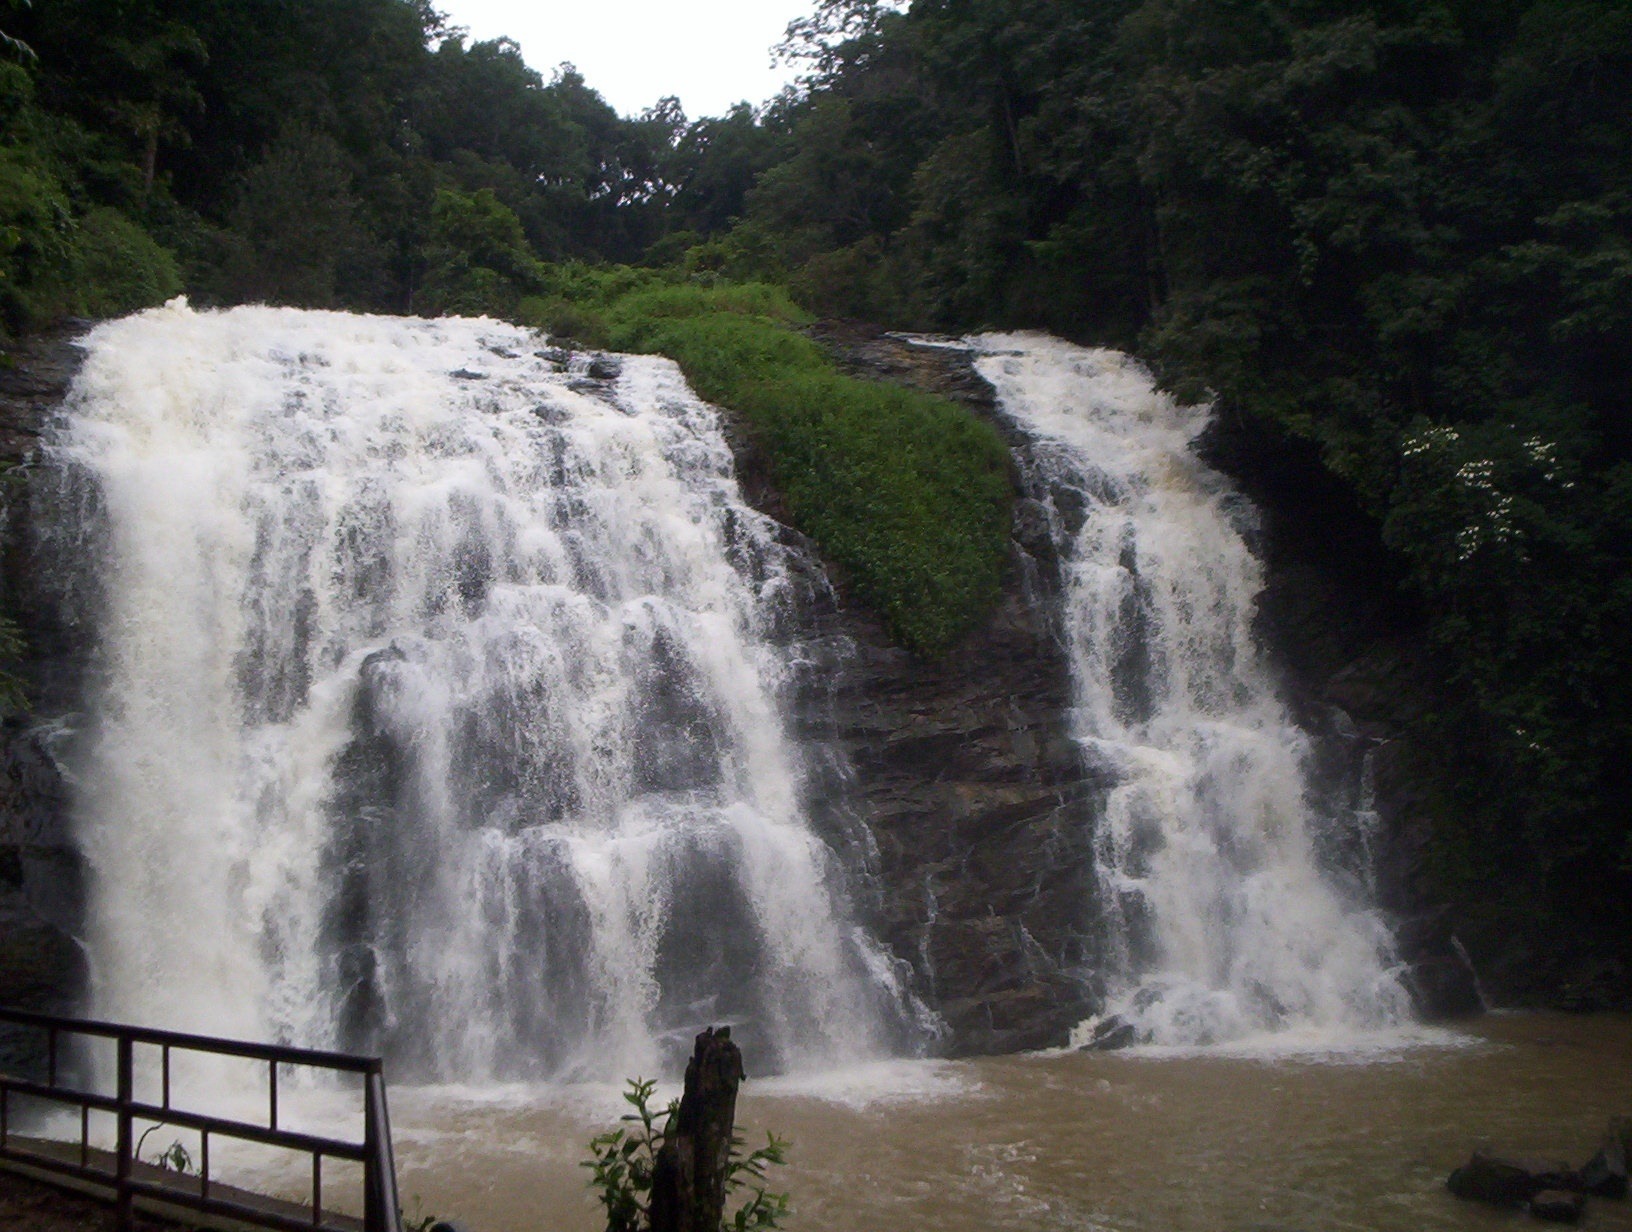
(966, 776)
(42, 965)
(984, 810)
(956, 793)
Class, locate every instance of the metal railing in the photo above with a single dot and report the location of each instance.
(127, 1181)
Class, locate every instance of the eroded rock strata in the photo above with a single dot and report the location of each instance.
(957, 793)
(42, 964)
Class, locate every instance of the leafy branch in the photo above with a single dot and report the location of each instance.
(624, 1160)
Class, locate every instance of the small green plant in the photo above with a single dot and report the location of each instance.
(174, 1158)
(623, 1162)
(763, 1209)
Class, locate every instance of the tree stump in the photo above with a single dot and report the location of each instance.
(692, 1166)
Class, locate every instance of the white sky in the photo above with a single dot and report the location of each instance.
(710, 53)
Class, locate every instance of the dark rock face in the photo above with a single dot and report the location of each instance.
(966, 774)
(41, 897)
(978, 804)
(1558, 1206)
(1605, 1174)
(1112, 1034)
(1500, 1182)
(42, 965)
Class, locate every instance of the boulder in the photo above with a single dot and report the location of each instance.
(1502, 1182)
(1558, 1206)
(1605, 1174)
(1111, 1034)
(1443, 987)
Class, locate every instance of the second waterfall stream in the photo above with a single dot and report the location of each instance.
(1220, 923)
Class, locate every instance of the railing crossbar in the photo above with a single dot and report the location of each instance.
(381, 1212)
(317, 1058)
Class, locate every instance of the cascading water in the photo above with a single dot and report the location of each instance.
(1220, 923)
(434, 707)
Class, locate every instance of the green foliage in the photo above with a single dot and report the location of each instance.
(52, 264)
(623, 1160)
(304, 239)
(117, 267)
(1401, 232)
(479, 260)
(174, 1158)
(907, 493)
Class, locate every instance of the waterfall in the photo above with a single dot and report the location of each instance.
(436, 704)
(1220, 921)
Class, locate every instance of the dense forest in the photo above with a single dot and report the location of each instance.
(1393, 234)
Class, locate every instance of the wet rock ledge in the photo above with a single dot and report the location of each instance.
(42, 966)
(965, 772)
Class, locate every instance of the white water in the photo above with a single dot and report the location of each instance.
(1220, 922)
(434, 706)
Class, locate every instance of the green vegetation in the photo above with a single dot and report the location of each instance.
(321, 153)
(622, 1163)
(1396, 233)
(908, 493)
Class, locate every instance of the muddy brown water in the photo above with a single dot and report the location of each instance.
(1256, 1141)
(1166, 1143)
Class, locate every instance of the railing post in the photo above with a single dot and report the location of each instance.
(125, 1221)
(381, 1210)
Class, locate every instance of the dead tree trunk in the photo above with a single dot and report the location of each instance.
(689, 1175)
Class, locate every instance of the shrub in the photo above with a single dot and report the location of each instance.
(623, 1160)
(118, 267)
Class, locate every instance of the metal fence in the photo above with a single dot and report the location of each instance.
(127, 1179)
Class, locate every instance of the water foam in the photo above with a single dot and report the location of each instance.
(1221, 923)
(436, 707)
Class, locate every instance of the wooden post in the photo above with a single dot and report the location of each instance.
(688, 1179)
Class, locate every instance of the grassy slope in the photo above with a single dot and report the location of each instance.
(908, 493)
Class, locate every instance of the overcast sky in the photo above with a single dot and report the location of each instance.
(709, 53)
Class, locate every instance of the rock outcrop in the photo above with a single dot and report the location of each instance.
(1605, 1174)
(1553, 1193)
(980, 811)
(956, 793)
(975, 794)
(42, 966)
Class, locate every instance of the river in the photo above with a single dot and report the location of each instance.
(1149, 1139)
